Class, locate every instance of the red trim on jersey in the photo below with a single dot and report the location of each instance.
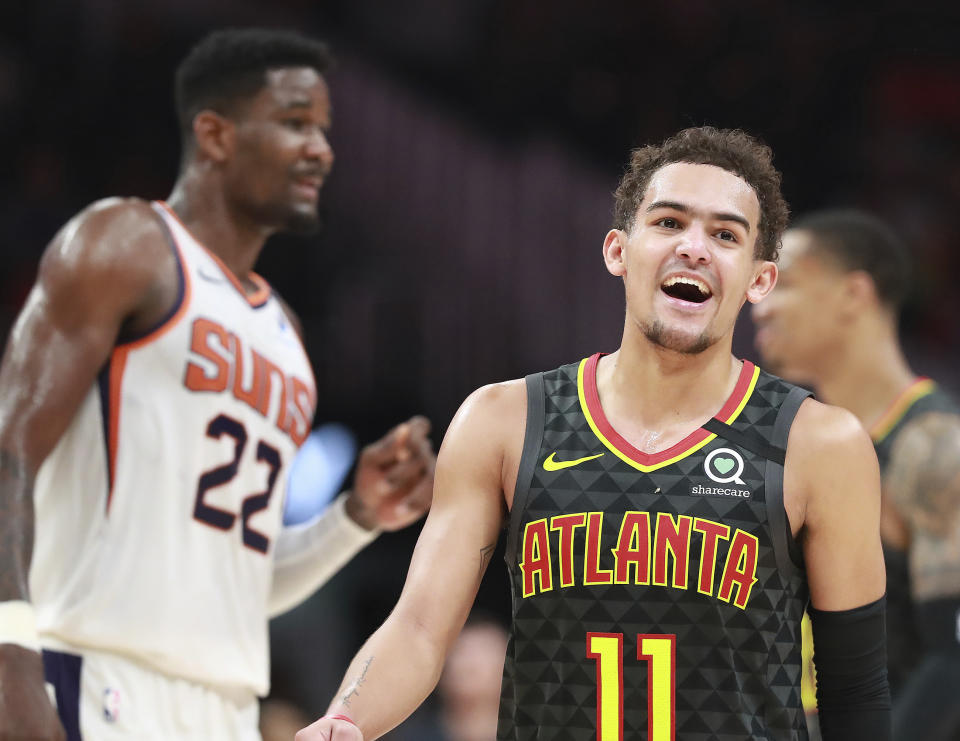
(592, 396)
(256, 299)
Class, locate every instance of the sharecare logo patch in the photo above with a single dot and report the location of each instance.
(698, 490)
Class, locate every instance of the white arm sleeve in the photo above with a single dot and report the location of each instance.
(308, 554)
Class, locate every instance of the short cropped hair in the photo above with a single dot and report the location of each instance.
(730, 149)
(229, 66)
(858, 240)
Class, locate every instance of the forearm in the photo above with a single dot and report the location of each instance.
(391, 675)
(852, 690)
(16, 527)
(307, 555)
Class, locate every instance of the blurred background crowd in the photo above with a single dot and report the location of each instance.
(478, 143)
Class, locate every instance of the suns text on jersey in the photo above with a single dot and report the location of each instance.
(652, 548)
(216, 363)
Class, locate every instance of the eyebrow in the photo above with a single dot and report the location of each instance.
(676, 206)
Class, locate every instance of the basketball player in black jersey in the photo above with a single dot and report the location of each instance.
(832, 323)
(669, 508)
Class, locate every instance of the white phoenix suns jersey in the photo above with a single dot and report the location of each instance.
(159, 508)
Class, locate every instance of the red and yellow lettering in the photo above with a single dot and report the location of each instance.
(708, 551)
(740, 568)
(204, 333)
(592, 573)
(633, 549)
(673, 536)
(566, 524)
(536, 558)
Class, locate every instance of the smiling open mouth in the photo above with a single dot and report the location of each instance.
(686, 289)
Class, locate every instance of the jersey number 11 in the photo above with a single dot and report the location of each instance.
(659, 651)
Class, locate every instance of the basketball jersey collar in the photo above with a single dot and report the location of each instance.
(919, 388)
(256, 299)
(646, 462)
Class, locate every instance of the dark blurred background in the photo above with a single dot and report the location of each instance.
(478, 143)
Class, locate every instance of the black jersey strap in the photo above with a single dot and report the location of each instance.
(532, 442)
(748, 442)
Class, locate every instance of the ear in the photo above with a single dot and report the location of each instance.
(214, 135)
(764, 279)
(860, 290)
(613, 252)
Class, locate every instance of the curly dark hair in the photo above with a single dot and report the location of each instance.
(731, 149)
(229, 66)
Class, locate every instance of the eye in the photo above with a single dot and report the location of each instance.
(726, 235)
(295, 124)
(668, 222)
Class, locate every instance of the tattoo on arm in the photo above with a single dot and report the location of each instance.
(923, 481)
(16, 526)
(486, 553)
(355, 687)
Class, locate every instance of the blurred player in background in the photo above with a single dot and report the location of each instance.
(469, 688)
(655, 510)
(152, 396)
(832, 323)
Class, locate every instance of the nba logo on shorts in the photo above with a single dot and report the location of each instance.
(111, 704)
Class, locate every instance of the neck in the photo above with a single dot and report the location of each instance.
(199, 201)
(657, 388)
(869, 373)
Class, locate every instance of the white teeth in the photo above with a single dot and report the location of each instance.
(689, 281)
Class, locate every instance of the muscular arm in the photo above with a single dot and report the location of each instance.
(400, 664)
(832, 463)
(100, 273)
(103, 272)
(922, 482)
(832, 469)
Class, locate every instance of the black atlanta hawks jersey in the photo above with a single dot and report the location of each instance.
(907, 638)
(655, 597)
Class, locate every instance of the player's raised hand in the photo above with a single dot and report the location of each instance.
(393, 484)
(330, 728)
(25, 709)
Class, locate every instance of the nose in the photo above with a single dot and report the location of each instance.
(694, 247)
(317, 147)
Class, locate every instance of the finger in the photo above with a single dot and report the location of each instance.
(384, 451)
(405, 474)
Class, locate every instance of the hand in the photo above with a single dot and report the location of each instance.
(25, 709)
(393, 485)
(330, 729)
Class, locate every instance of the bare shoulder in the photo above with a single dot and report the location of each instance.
(108, 228)
(116, 255)
(485, 438)
(492, 412)
(923, 475)
(824, 430)
(831, 465)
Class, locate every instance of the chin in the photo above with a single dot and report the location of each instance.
(677, 341)
(302, 222)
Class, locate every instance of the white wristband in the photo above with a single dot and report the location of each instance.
(18, 624)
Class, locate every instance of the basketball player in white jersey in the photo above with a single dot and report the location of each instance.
(152, 396)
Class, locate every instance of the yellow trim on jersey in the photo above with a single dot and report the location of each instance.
(640, 466)
(882, 427)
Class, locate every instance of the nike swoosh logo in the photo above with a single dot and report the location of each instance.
(551, 464)
(210, 278)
